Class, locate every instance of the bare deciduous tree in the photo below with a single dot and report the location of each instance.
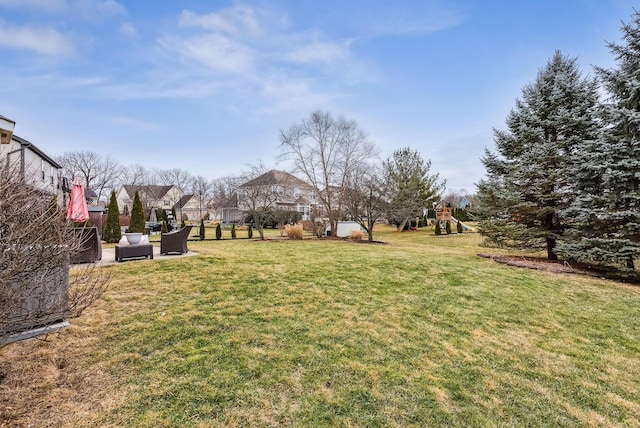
(201, 189)
(256, 197)
(364, 197)
(224, 195)
(36, 244)
(325, 151)
(99, 173)
(135, 175)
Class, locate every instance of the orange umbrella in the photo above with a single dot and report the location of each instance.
(77, 210)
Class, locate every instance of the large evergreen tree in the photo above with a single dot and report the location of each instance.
(137, 215)
(112, 231)
(409, 186)
(606, 210)
(528, 181)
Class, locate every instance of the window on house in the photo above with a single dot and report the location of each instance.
(42, 168)
(296, 192)
(313, 195)
(166, 203)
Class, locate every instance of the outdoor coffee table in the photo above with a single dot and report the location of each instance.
(133, 250)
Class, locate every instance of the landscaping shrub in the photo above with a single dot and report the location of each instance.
(164, 228)
(438, 229)
(356, 235)
(233, 231)
(137, 215)
(218, 232)
(294, 231)
(459, 227)
(447, 227)
(202, 230)
(249, 232)
(318, 228)
(112, 233)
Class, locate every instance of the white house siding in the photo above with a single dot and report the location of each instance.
(38, 169)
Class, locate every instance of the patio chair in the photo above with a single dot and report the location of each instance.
(175, 241)
(90, 245)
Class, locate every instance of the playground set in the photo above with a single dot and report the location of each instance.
(444, 214)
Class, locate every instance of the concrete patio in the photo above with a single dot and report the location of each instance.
(109, 256)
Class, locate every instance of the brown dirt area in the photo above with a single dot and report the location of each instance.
(563, 266)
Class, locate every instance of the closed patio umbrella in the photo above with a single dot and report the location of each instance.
(77, 210)
(153, 218)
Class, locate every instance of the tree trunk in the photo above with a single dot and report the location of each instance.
(551, 246)
(630, 264)
(403, 224)
(258, 226)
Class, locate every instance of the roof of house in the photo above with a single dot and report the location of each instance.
(183, 201)
(275, 177)
(152, 190)
(28, 144)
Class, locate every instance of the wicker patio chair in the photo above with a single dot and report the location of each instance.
(175, 241)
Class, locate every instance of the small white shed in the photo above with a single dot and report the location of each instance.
(345, 228)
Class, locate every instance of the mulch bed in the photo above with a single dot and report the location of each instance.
(563, 266)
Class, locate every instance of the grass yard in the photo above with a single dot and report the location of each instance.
(415, 332)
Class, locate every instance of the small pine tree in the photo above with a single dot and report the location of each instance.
(218, 232)
(164, 228)
(459, 226)
(250, 232)
(202, 231)
(438, 229)
(112, 232)
(137, 215)
(447, 227)
(173, 213)
(233, 231)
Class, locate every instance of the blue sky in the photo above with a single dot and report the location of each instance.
(206, 86)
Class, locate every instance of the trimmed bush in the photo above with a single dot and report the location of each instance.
(249, 232)
(112, 233)
(164, 228)
(137, 215)
(438, 229)
(233, 231)
(294, 231)
(218, 231)
(459, 227)
(202, 230)
(447, 227)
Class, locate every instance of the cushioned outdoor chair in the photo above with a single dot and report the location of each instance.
(175, 241)
(90, 245)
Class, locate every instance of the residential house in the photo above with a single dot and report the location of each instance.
(291, 193)
(191, 207)
(37, 168)
(151, 196)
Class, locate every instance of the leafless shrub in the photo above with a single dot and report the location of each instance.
(316, 227)
(36, 244)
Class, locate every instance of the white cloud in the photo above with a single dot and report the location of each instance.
(216, 52)
(234, 21)
(45, 41)
(128, 29)
(320, 52)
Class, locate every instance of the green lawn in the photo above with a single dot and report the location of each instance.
(415, 332)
